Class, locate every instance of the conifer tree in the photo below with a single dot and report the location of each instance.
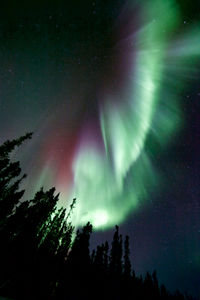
(9, 181)
(10, 195)
(116, 253)
(156, 290)
(105, 256)
(127, 262)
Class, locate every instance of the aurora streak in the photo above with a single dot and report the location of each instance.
(107, 159)
(109, 184)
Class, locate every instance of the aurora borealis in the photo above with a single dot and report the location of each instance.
(101, 84)
(111, 147)
(125, 126)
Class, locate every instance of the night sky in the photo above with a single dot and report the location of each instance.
(111, 91)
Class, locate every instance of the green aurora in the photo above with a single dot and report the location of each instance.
(112, 184)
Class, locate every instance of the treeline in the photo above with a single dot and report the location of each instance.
(41, 256)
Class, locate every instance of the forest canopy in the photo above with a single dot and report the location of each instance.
(44, 257)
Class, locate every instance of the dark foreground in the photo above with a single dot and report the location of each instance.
(41, 257)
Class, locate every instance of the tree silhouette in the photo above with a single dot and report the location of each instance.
(127, 262)
(41, 256)
(116, 253)
(9, 171)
